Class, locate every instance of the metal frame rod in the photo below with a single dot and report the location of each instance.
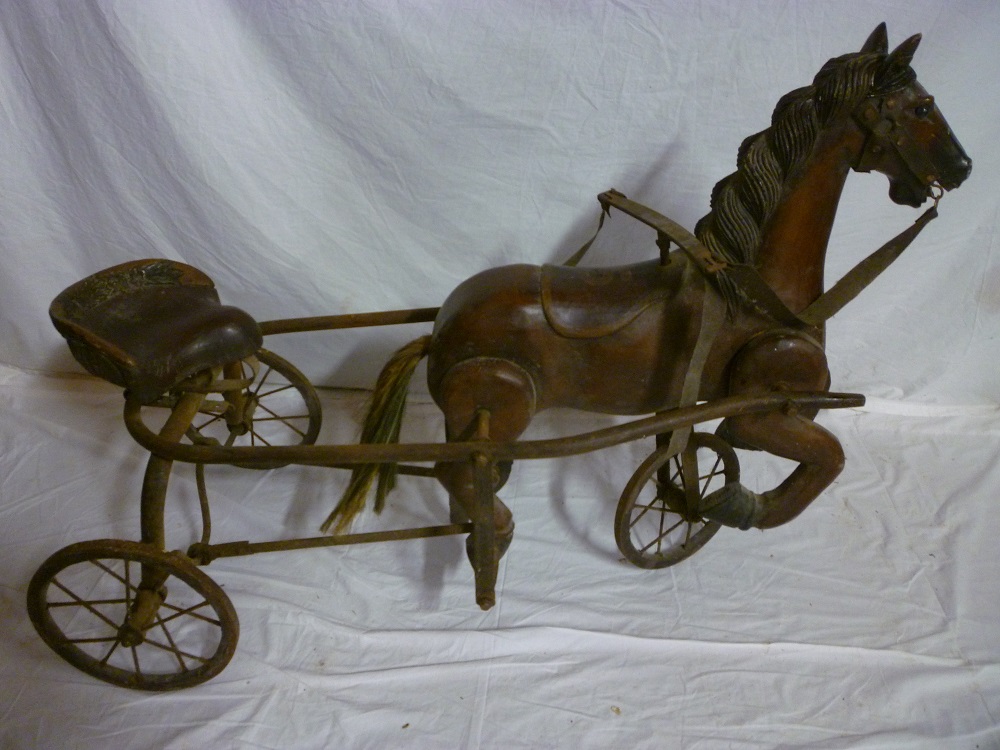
(349, 320)
(367, 453)
(205, 553)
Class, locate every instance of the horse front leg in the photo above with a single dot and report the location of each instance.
(793, 436)
(779, 360)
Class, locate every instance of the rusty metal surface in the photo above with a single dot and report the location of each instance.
(349, 320)
(349, 454)
(204, 553)
(107, 625)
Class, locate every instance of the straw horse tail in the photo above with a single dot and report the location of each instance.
(381, 425)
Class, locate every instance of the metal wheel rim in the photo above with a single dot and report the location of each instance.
(299, 428)
(663, 549)
(117, 565)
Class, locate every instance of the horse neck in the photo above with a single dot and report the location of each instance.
(792, 251)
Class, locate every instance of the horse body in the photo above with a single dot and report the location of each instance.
(515, 340)
(625, 357)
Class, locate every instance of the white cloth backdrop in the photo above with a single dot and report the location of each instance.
(327, 157)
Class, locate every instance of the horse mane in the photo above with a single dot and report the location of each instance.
(743, 202)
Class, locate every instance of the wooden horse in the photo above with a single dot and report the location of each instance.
(512, 341)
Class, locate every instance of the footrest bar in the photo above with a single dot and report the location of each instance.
(205, 553)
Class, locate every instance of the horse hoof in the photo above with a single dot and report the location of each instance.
(733, 505)
(502, 540)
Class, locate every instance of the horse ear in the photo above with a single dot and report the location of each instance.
(877, 42)
(902, 56)
(895, 71)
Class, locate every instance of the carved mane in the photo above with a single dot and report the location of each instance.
(743, 202)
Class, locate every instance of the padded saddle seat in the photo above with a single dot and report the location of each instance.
(149, 324)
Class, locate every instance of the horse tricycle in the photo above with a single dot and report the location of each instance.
(726, 324)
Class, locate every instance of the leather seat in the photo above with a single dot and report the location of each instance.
(148, 325)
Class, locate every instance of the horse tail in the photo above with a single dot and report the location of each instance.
(381, 425)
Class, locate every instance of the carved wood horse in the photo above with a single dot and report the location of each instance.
(512, 341)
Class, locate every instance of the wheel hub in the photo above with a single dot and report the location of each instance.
(130, 636)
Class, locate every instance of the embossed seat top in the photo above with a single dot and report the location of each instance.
(149, 324)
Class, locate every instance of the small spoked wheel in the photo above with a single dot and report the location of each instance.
(132, 615)
(657, 524)
(280, 407)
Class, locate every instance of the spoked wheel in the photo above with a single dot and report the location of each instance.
(657, 524)
(280, 407)
(132, 615)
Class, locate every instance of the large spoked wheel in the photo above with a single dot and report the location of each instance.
(657, 524)
(280, 407)
(132, 615)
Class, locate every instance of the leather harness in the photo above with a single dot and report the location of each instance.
(881, 128)
(878, 121)
(748, 278)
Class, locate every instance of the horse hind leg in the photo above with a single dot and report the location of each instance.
(490, 400)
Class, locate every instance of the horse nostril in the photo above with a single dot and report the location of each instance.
(957, 174)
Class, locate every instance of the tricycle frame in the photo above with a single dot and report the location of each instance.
(143, 594)
(166, 448)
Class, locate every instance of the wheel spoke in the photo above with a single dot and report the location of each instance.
(135, 660)
(56, 605)
(263, 379)
(661, 536)
(190, 611)
(178, 654)
(277, 418)
(285, 421)
(86, 605)
(659, 539)
(111, 650)
(276, 389)
(115, 574)
(646, 509)
(717, 470)
(107, 639)
(209, 422)
(254, 436)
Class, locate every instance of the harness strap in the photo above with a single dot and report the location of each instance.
(578, 255)
(713, 315)
(747, 278)
(864, 273)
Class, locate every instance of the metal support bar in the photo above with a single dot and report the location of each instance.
(205, 553)
(332, 455)
(154, 483)
(351, 320)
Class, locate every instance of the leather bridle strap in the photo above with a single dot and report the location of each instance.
(748, 279)
(885, 133)
(864, 273)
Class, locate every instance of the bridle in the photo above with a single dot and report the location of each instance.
(877, 118)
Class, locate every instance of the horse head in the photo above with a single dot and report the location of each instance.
(906, 136)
